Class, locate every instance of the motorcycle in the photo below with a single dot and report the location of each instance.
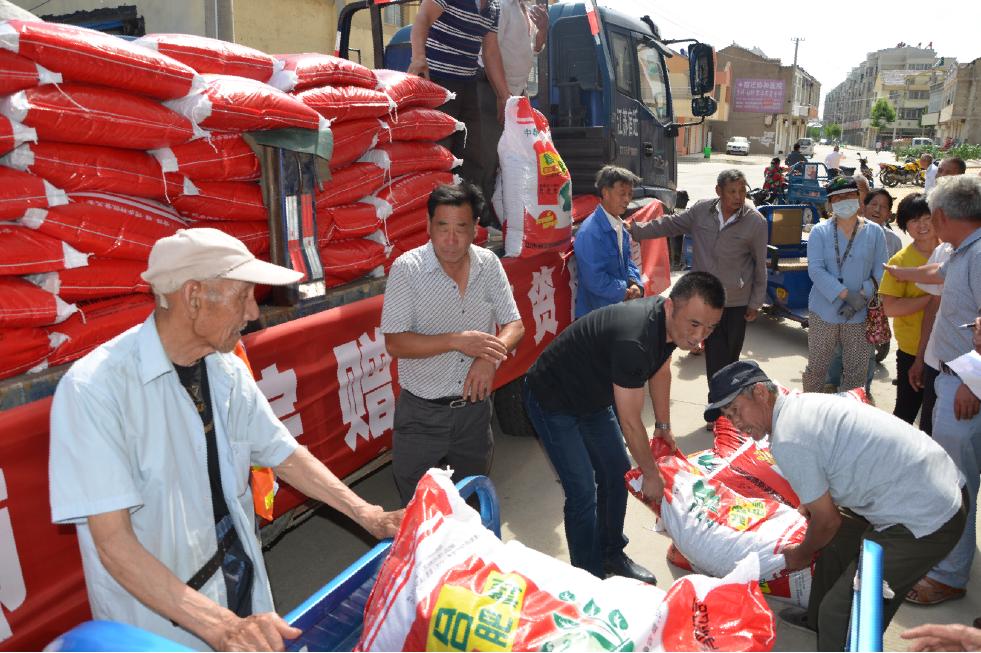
(892, 174)
(765, 197)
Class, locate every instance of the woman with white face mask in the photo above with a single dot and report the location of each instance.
(844, 253)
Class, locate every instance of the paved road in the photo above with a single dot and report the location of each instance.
(531, 499)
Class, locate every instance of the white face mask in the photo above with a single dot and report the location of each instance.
(845, 208)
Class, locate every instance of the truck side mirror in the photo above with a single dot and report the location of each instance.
(701, 69)
(703, 106)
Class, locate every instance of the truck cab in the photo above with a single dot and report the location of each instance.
(602, 83)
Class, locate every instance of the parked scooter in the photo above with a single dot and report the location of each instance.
(891, 174)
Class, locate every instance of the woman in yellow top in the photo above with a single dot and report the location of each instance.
(904, 301)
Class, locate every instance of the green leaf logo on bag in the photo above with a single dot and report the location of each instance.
(705, 498)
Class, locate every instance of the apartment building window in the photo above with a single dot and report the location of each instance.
(392, 15)
(919, 95)
(910, 114)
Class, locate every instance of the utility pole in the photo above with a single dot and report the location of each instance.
(793, 80)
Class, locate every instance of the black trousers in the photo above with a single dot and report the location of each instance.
(908, 400)
(905, 560)
(464, 145)
(929, 399)
(724, 345)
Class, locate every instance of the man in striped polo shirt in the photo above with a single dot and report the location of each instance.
(446, 38)
(449, 318)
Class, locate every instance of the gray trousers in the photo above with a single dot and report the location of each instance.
(822, 340)
(428, 435)
(905, 559)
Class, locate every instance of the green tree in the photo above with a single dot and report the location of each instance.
(832, 130)
(882, 113)
(814, 132)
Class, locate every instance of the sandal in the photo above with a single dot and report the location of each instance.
(932, 592)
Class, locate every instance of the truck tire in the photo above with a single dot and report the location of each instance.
(510, 409)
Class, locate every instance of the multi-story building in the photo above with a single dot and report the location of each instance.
(771, 103)
(691, 140)
(955, 104)
(849, 104)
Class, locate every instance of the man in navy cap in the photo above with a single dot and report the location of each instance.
(851, 465)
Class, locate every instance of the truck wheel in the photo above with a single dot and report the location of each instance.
(510, 409)
(881, 351)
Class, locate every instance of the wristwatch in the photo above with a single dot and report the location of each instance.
(662, 426)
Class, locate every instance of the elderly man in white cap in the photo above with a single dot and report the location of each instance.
(152, 438)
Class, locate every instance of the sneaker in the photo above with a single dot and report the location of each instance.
(797, 618)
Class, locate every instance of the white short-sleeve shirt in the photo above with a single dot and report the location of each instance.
(126, 435)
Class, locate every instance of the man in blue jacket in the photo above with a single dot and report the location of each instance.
(606, 274)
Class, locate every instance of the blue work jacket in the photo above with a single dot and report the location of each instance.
(603, 274)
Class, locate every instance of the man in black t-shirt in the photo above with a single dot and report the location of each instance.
(601, 360)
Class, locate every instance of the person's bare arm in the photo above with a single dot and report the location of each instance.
(943, 637)
(306, 473)
(630, 406)
(428, 13)
(475, 344)
(154, 585)
(899, 306)
(494, 67)
(926, 328)
(659, 387)
(928, 273)
(480, 378)
(823, 523)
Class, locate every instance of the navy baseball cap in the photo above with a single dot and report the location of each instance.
(726, 384)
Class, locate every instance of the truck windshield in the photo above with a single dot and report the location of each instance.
(653, 84)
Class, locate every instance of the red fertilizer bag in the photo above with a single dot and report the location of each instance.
(449, 583)
(407, 243)
(408, 192)
(13, 134)
(92, 115)
(411, 91)
(85, 55)
(401, 158)
(101, 278)
(254, 235)
(77, 168)
(22, 304)
(223, 200)
(220, 157)
(350, 184)
(99, 231)
(347, 260)
(96, 323)
(237, 104)
(406, 223)
(143, 208)
(346, 222)
(311, 69)
(352, 138)
(337, 103)
(18, 73)
(207, 55)
(24, 251)
(20, 191)
(23, 350)
(481, 237)
(419, 125)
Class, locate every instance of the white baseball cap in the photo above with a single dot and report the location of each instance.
(201, 254)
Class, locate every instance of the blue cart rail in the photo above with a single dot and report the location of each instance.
(331, 619)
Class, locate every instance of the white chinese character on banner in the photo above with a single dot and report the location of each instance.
(13, 591)
(364, 373)
(279, 386)
(542, 296)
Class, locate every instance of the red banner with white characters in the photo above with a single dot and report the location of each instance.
(42, 589)
(327, 376)
(651, 255)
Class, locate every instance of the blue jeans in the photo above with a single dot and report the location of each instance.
(835, 369)
(961, 439)
(590, 457)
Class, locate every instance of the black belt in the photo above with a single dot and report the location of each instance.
(452, 402)
(945, 369)
(209, 568)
